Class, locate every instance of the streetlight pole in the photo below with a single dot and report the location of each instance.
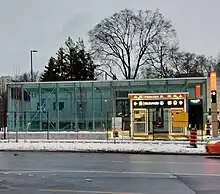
(32, 51)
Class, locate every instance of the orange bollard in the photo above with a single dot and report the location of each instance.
(208, 128)
(193, 137)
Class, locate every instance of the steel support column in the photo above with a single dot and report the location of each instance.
(40, 106)
(71, 110)
(75, 108)
(57, 108)
(22, 107)
(93, 111)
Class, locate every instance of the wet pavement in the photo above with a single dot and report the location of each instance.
(47, 173)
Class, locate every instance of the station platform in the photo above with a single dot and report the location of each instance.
(162, 136)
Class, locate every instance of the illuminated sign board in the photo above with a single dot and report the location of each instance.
(213, 84)
(148, 96)
(158, 103)
(195, 101)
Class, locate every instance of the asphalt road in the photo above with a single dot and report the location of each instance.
(61, 173)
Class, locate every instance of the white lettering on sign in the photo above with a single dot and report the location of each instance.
(159, 96)
(161, 103)
(195, 101)
(152, 96)
(145, 103)
(169, 102)
(174, 102)
(151, 103)
(158, 103)
(180, 102)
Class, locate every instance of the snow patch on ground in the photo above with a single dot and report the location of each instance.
(120, 141)
(105, 147)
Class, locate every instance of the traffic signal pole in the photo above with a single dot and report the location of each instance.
(214, 113)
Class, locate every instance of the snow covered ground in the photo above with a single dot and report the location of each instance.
(103, 147)
(117, 140)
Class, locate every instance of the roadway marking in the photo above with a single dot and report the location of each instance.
(84, 191)
(156, 162)
(111, 172)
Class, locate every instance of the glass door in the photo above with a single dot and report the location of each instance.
(159, 120)
(140, 122)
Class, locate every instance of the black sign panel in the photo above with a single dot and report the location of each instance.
(158, 103)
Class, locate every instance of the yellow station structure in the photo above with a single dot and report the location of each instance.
(158, 113)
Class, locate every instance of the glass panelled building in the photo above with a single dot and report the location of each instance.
(85, 106)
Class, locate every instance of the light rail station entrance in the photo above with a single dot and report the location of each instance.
(155, 113)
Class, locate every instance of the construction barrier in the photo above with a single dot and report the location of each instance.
(193, 137)
(208, 129)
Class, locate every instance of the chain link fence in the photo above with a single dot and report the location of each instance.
(150, 126)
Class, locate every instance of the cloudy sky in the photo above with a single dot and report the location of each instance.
(45, 24)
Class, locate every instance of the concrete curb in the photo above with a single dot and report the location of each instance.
(180, 153)
(106, 152)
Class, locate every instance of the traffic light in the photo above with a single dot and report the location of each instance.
(213, 97)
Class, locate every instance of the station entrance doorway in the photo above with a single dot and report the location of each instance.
(154, 113)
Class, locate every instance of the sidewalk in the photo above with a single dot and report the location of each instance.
(96, 136)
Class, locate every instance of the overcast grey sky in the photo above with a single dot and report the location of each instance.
(45, 24)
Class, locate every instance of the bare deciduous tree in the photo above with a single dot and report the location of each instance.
(26, 77)
(126, 42)
(160, 61)
(188, 64)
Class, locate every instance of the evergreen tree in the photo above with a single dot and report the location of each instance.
(80, 64)
(73, 63)
(51, 72)
(61, 64)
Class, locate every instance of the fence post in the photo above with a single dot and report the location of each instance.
(114, 130)
(8, 134)
(202, 132)
(153, 124)
(107, 125)
(5, 122)
(123, 129)
(16, 136)
(4, 132)
(48, 136)
(25, 137)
